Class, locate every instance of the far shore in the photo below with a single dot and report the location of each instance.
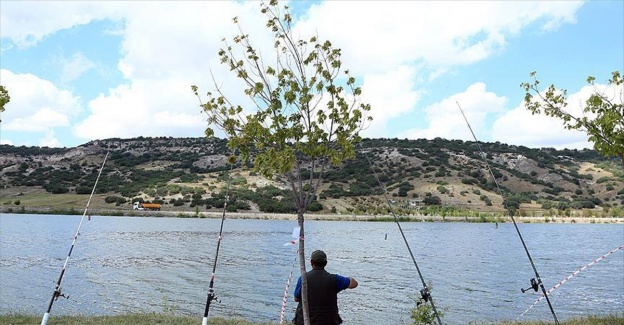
(483, 218)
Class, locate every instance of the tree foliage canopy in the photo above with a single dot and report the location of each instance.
(4, 98)
(306, 106)
(603, 115)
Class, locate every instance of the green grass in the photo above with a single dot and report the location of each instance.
(164, 319)
(617, 319)
(134, 319)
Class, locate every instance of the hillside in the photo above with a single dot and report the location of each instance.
(421, 176)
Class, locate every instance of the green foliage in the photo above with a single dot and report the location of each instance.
(307, 106)
(423, 313)
(4, 98)
(118, 200)
(168, 308)
(161, 176)
(167, 317)
(602, 119)
(404, 187)
(432, 200)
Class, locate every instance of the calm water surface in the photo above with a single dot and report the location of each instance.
(131, 264)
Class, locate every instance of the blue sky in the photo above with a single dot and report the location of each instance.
(83, 70)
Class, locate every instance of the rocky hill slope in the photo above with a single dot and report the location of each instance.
(191, 173)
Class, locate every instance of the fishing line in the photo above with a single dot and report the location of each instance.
(534, 283)
(425, 293)
(211, 294)
(570, 277)
(57, 290)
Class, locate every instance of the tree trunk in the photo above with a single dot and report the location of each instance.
(302, 267)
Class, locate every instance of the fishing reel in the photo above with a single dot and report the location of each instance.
(212, 296)
(57, 294)
(534, 286)
(425, 295)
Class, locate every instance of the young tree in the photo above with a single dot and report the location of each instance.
(307, 113)
(4, 98)
(603, 118)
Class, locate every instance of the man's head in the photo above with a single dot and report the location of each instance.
(318, 259)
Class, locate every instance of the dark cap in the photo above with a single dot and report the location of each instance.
(318, 257)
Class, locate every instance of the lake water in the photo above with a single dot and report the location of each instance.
(134, 264)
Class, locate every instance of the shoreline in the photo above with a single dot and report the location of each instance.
(171, 318)
(482, 218)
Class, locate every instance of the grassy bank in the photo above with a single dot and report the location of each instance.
(138, 319)
(163, 319)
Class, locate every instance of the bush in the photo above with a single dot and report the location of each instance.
(315, 206)
(83, 190)
(432, 200)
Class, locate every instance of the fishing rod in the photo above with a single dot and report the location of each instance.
(57, 290)
(570, 277)
(425, 293)
(296, 235)
(211, 294)
(283, 313)
(534, 283)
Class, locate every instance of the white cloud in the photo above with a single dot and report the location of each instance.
(145, 108)
(49, 140)
(74, 67)
(390, 94)
(377, 35)
(36, 105)
(166, 48)
(27, 22)
(445, 120)
(42, 120)
(519, 127)
(393, 47)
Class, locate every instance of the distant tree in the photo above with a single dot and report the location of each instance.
(4, 98)
(603, 118)
(432, 200)
(307, 114)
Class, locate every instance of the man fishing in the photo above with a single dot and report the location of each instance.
(323, 288)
